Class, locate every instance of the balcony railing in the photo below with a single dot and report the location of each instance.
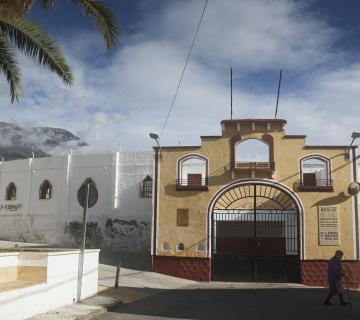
(316, 185)
(254, 166)
(192, 184)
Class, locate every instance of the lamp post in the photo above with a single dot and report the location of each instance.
(155, 136)
(158, 155)
(354, 136)
(354, 189)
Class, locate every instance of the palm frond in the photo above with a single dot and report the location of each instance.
(36, 44)
(9, 67)
(103, 16)
(46, 4)
(105, 20)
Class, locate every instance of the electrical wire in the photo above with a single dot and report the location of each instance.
(183, 71)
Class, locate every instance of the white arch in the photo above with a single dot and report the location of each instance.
(277, 185)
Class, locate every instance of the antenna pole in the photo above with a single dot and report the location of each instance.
(231, 94)
(278, 94)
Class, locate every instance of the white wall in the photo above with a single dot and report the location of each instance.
(60, 288)
(56, 220)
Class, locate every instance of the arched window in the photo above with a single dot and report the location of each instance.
(10, 191)
(180, 247)
(192, 173)
(315, 173)
(45, 191)
(200, 247)
(146, 187)
(253, 154)
(251, 150)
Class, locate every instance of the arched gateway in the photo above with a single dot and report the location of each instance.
(255, 232)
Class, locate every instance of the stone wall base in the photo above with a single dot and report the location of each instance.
(198, 269)
(314, 273)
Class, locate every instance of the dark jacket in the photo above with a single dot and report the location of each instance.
(334, 269)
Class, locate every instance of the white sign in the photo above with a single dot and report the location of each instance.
(329, 226)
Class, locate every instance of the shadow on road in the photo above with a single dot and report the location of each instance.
(131, 260)
(238, 303)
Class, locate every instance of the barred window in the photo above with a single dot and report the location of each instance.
(180, 247)
(146, 187)
(182, 217)
(10, 191)
(45, 190)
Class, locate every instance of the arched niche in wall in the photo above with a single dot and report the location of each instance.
(146, 187)
(10, 192)
(252, 153)
(45, 190)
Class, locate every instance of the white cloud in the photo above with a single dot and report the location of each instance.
(117, 102)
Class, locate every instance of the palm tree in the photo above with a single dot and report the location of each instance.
(18, 32)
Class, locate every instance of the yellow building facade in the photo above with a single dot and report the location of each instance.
(220, 215)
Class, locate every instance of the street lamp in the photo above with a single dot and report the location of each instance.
(354, 136)
(156, 137)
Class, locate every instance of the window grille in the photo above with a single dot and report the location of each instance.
(45, 191)
(180, 247)
(315, 173)
(146, 187)
(10, 192)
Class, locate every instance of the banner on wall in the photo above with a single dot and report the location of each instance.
(329, 234)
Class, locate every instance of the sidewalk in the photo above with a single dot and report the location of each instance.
(133, 285)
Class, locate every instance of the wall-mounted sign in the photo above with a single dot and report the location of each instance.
(329, 234)
(10, 207)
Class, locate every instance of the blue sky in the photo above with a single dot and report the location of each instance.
(116, 101)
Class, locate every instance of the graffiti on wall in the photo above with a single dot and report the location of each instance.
(93, 233)
(116, 233)
(10, 207)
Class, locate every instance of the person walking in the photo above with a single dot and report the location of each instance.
(334, 275)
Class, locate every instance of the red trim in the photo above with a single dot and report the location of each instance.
(192, 188)
(210, 137)
(316, 188)
(233, 142)
(314, 272)
(256, 121)
(181, 147)
(198, 269)
(295, 136)
(329, 147)
(270, 141)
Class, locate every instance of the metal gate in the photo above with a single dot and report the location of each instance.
(255, 235)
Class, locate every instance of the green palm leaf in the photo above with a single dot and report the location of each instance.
(9, 66)
(36, 44)
(104, 17)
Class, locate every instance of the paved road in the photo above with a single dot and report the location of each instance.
(236, 301)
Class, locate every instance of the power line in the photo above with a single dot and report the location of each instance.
(183, 71)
